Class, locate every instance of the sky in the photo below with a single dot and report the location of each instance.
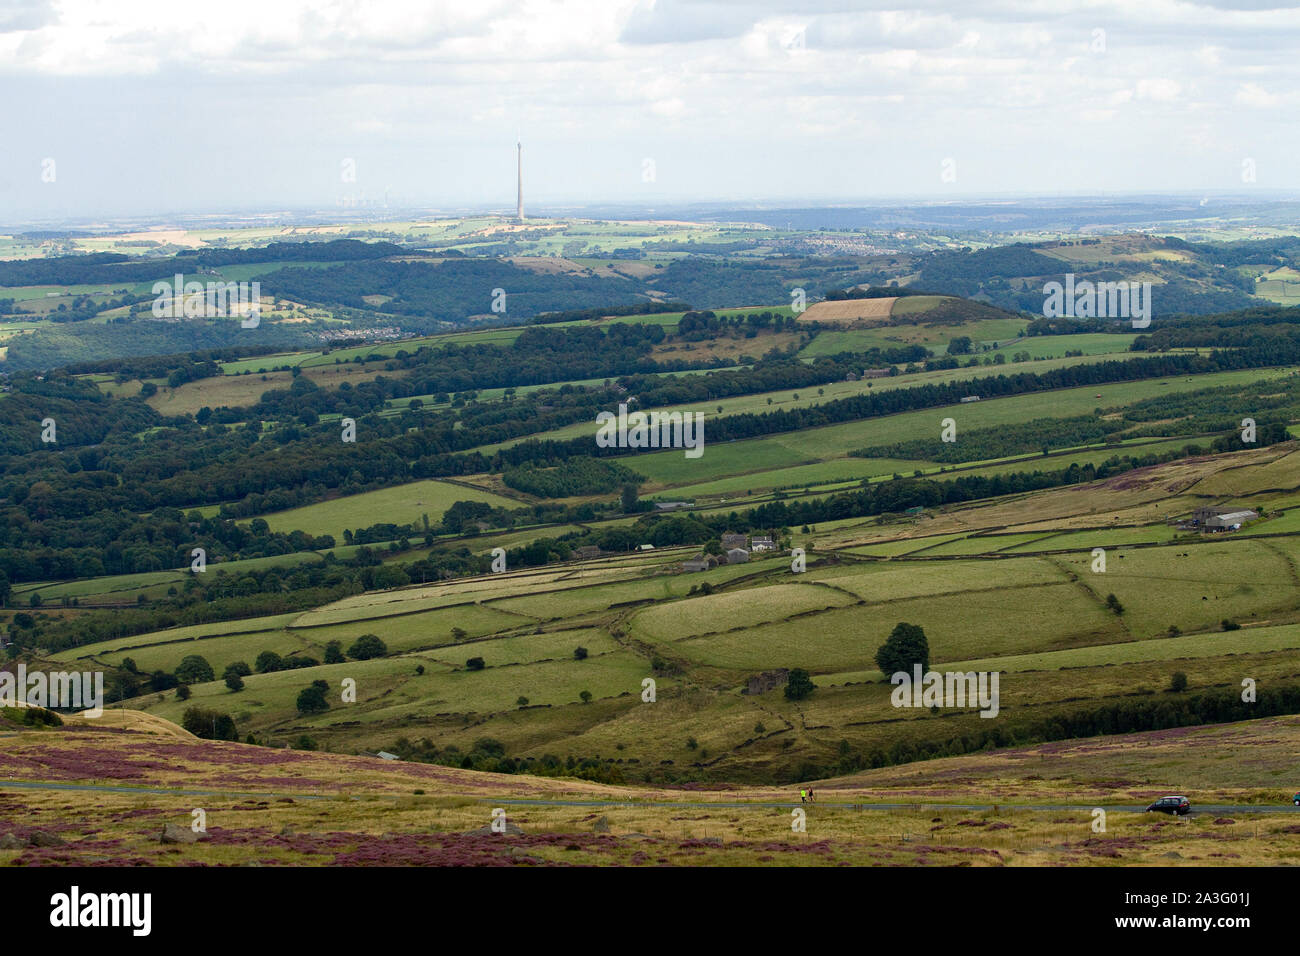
(153, 108)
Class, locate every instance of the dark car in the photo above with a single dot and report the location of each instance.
(1178, 805)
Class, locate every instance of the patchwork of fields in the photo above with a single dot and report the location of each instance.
(1007, 586)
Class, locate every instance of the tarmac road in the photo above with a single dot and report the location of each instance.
(1218, 809)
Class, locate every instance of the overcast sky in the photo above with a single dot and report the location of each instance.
(151, 107)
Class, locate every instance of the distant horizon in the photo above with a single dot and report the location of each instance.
(604, 210)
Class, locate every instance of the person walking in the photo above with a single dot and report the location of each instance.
(803, 796)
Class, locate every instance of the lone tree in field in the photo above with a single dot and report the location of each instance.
(475, 664)
(1112, 602)
(194, 670)
(234, 681)
(799, 684)
(334, 652)
(367, 646)
(1178, 682)
(579, 653)
(905, 647)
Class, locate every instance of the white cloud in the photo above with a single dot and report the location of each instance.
(1161, 89)
(436, 91)
(1255, 96)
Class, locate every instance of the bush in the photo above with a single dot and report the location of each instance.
(1230, 625)
(234, 682)
(905, 647)
(366, 647)
(239, 667)
(183, 692)
(585, 696)
(32, 716)
(268, 661)
(521, 700)
(799, 685)
(311, 700)
(579, 653)
(1178, 682)
(475, 664)
(1113, 604)
(334, 652)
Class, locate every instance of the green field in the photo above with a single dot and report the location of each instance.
(402, 504)
(638, 617)
(817, 445)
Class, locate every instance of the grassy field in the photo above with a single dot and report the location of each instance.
(933, 337)
(818, 445)
(402, 504)
(1043, 621)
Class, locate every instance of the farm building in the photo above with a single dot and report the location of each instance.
(701, 562)
(1221, 519)
(970, 398)
(732, 540)
(762, 544)
(671, 505)
(877, 372)
(646, 547)
(737, 556)
(586, 552)
(1229, 521)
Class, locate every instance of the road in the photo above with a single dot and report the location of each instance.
(1217, 809)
